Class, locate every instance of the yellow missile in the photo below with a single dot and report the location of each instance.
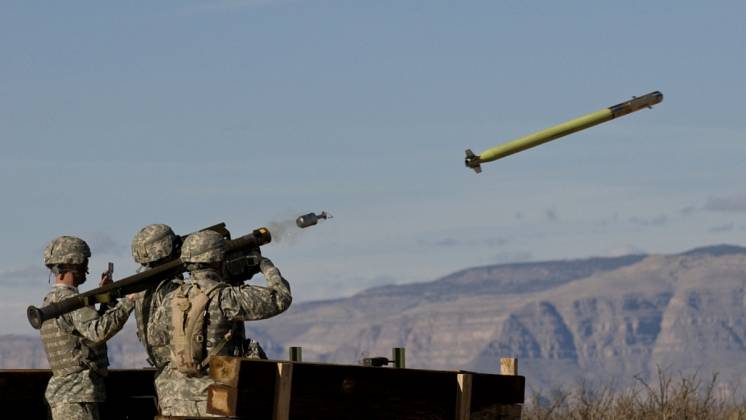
(552, 133)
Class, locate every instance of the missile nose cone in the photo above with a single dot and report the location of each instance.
(654, 98)
(636, 104)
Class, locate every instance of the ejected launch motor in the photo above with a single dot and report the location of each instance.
(311, 219)
(586, 121)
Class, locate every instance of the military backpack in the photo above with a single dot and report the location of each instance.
(189, 354)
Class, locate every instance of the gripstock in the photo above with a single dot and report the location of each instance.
(242, 250)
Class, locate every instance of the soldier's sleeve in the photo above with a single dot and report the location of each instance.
(246, 303)
(99, 328)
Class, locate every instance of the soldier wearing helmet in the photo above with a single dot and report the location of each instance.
(152, 246)
(75, 343)
(201, 319)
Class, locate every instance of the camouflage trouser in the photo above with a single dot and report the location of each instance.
(186, 408)
(179, 395)
(75, 411)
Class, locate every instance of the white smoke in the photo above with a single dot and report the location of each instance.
(284, 232)
(287, 232)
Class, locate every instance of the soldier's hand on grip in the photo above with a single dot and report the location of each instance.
(265, 264)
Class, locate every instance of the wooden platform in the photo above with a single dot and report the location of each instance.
(280, 390)
(130, 393)
(291, 390)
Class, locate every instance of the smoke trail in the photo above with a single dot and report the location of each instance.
(288, 231)
(284, 231)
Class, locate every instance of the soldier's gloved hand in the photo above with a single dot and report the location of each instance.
(265, 265)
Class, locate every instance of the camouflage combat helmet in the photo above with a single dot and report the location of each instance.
(152, 243)
(67, 250)
(203, 247)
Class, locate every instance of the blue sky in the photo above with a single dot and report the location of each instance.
(113, 116)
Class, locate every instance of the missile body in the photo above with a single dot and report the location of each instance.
(581, 123)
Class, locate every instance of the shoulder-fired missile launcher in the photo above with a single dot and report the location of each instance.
(242, 257)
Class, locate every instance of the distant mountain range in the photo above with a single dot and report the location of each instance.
(598, 319)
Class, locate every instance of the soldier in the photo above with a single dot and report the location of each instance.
(199, 320)
(152, 246)
(75, 343)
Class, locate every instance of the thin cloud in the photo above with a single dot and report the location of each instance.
(217, 6)
(103, 243)
(23, 275)
(449, 242)
(733, 203)
(551, 215)
(614, 219)
(728, 227)
(623, 250)
(512, 257)
(659, 220)
(689, 210)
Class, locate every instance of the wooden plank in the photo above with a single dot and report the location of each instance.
(254, 393)
(327, 391)
(25, 388)
(463, 396)
(342, 392)
(488, 390)
(498, 412)
(130, 392)
(222, 400)
(191, 418)
(225, 370)
(283, 390)
(508, 366)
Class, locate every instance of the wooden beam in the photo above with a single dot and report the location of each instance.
(247, 388)
(265, 390)
(326, 391)
(225, 370)
(222, 400)
(191, 418)
(130, 393)
(508, 366)
(283, 388)
(463, 396)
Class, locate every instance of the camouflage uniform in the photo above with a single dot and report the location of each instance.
(226, 310)
(151, 246)
(145, 307)
(75, 343)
